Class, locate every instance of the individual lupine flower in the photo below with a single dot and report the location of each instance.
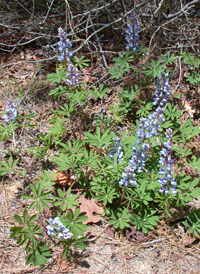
(163, 91)
(50, 230)
(72, 75)
(132, 34)
(167, 182)
(116, 148)
(10, 112)
(63, 46)
(59, 227)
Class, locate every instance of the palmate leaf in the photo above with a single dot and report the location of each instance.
(57, 129)
(189, 131)
(145, 220)
(117, 72)
(123, 60)
(81, 61)
(195, 163)
(75, 222)
(57, 77)
(66, 201)
(154, 69)
(38, 255)
(40, 197)
(62, 161)
(28, 232)
(168, 58)
(193, 222)
(107, 195)
(99, 92)
(6, 168)
(97, 139)
(46, 179)
(121, 219)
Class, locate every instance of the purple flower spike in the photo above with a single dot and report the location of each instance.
(72, 75)
(63, 46)
(132, 34)
(10, 112)
(166, 180)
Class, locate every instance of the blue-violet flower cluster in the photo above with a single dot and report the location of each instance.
(166, 180)
(72, 75)
(10, 112)
(163, 91)
(116, 148)
(136, 164)
(148, 127)
(65, 55)
(57, 226)
(63, 46)
(132, 34)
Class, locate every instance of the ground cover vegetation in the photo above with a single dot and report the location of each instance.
(122, 137)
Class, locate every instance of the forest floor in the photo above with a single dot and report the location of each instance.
(168, 250)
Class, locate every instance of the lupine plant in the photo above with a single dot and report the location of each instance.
(131, 171)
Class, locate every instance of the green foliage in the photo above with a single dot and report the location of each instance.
(117, 71)
(154, 69)
(127, 98)
(7, 130)
(41, 195)
(72, 157)
(81, 62)
(182, 152)
(145, 220)
(98, 140)
(193, 222)
(28, 232)
(195, 163)
(57, 130)
(99, 161)
(123, 60)
(144, 109)
(6, 168)
(172, 114)
(59, 91)
(121, 219)
(57, 77)
(193, 63)
(99, 92)
(75, 222)
(188, 189)
(193, 78)
(189, 59)
(188, 131)
(78, 97)
(143, 194)
(168, 58)
(105, 194)
(66, 201)
(64, 111)
(116, 113)
(76, 242)
(38, 255)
